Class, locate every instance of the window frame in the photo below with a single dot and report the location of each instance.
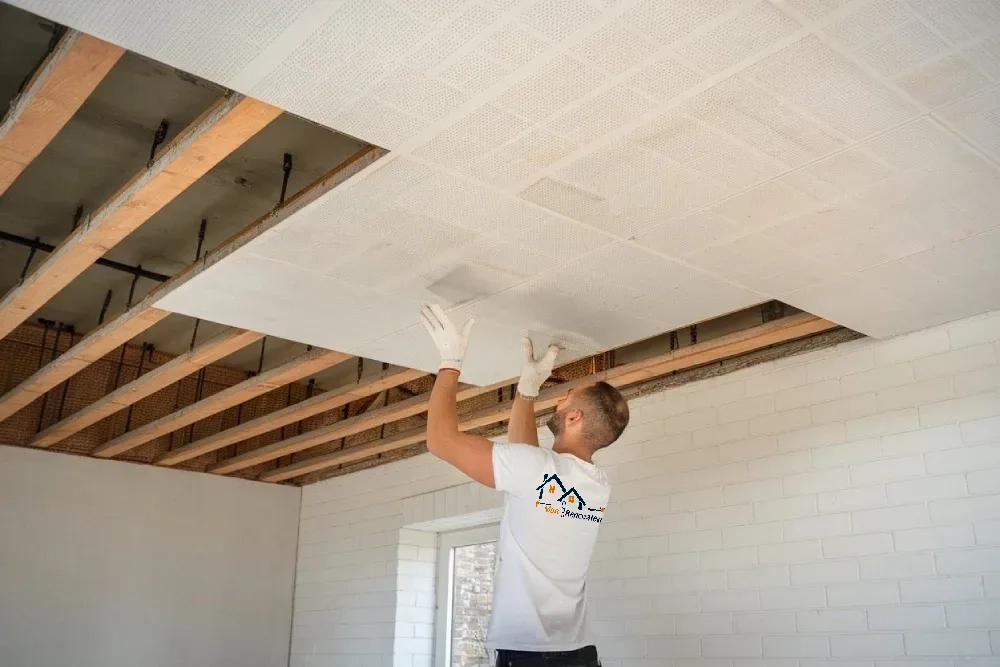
(447, 543)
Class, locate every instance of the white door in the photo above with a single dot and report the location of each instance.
(466, 564)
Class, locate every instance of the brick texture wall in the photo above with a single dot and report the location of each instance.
(835, 509)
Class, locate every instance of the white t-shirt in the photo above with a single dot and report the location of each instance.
(553, 506)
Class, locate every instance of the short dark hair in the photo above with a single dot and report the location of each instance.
(605, 414)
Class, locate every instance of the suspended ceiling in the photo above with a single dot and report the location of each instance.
(600, 173)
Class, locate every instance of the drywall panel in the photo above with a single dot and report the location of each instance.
(109, 564)
(734, 151)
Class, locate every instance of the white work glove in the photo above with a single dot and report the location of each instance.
(534, 373)
(451, 342)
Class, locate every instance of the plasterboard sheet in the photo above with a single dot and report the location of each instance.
(642, 163)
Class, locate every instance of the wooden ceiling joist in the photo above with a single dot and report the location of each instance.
(778, 331)
(175, 370)
(91, 348)
(55, 92)
(144, 314)
(341, 429)
(219, 131)
(310, 407)
(302, 366)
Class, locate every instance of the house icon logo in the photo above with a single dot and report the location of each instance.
(556, 499)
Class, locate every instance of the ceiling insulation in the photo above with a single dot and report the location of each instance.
(601, 172)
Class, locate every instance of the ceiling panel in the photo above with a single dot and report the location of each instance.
(603, 171)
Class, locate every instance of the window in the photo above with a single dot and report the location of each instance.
(466, 563)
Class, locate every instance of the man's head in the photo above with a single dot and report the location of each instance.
(589, 418)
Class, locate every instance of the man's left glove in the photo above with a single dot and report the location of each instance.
(534, 372)
(451, 342)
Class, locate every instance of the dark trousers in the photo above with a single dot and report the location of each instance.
(581, 657)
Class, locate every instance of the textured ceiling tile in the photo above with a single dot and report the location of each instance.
(832, 89)
(557, 19)
(815, 9)
(602, 114)
(753, 182)
(959, 20)
(870, 21)
(666, 21)
(664, 79)
(690, 234)
(445, 44)
(551, 87)
(904, 47)
(978, 118)
(739, 38)
(741, 109)
(942, 81)
(764, 205)
(614, 49)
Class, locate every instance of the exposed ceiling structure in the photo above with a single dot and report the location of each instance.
(598, 172)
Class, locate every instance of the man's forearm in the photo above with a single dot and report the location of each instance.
(521, 428)
(442, 412)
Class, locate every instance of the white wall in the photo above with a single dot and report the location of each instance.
(835, 509)
(109, 564)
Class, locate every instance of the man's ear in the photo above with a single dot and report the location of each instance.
(573, 416)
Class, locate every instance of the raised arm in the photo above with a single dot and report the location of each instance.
(471, 454)
(522, 428)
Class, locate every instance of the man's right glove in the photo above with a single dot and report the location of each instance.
(534, 373)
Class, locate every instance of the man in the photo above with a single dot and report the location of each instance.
(553, 504)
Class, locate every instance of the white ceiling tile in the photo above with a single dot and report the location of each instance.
(445, 44)
(978, 118)
(832, 89)
(557, 19)
(764, 205)
(815, 9)
(870, 21)
(741, 109)
(614, 49)
(903, 47)
(679, 238)
(666, 21)
(986, 56)
(551, 87)
(484, 101)
(959, 20)
(601, 114)
(664, 79)
(739, 38)
(942, 81)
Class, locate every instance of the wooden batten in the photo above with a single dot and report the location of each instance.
(91, 348)
(175, 370)
(219, 131)
(778, 331)
(293, 413)
(56, 91)
(341, 429)
(303, 366)
(144, 314)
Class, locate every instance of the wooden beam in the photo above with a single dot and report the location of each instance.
(57, 89)
(91, 348)
(778, 331)
(302, 366)
(144, 314)
(147, 384)
(310, 407)
(340, 429)
(223, 128)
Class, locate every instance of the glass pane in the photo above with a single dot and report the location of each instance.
(472, 599)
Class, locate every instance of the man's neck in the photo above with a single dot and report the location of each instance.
(577, 449)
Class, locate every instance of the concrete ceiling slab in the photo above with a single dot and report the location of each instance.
(645, 161)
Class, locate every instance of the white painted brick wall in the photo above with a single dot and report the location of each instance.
(836, 509)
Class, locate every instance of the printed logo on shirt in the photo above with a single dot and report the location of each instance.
(556, 499)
